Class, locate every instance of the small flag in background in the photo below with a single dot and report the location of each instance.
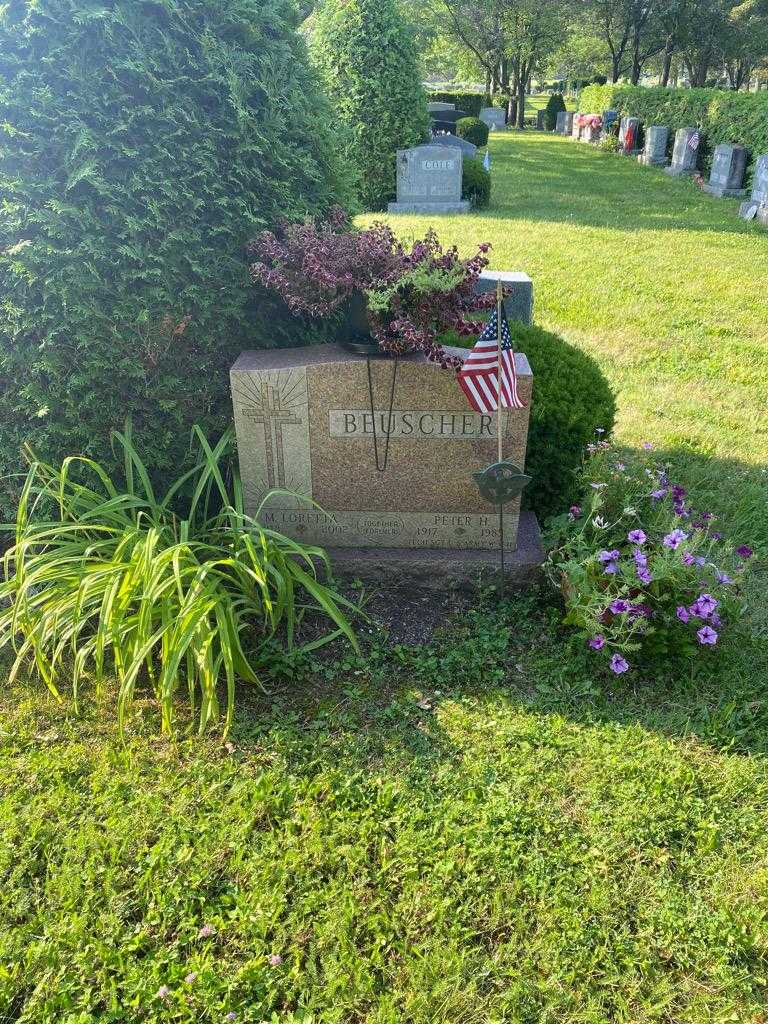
(487, 161)
(694, 140)
(479, 377)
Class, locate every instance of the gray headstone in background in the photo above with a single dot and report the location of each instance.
(560, 124)
(429, 180)
(494, 117)
(568, 122)
(655, 152)
(759, 195)
(541, 120)
(684, 158)
(432, 107)
(727, 176)
(519, 303)
(446, 139)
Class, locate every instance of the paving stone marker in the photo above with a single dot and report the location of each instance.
(729, 165)
(429, 180)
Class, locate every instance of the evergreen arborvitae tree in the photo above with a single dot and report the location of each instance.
(367, 60)
(142, 144)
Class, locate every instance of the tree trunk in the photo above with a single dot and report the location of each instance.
(504, 75)
(669, 49)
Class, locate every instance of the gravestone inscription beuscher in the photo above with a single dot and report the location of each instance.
(757, 205)
(729, 165)
(306, 425)
(429, 180)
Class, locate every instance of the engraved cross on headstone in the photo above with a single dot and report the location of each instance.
(274, 418)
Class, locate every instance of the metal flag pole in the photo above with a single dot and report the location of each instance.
(500, 452)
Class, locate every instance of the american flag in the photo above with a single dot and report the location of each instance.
(694, 140)
(478, 376)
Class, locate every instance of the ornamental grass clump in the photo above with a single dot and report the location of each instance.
(412, 295)
(644, 575)
(165, 592)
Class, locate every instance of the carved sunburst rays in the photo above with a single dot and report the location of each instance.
(273, 401)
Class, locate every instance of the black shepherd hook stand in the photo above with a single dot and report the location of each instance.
(381, 463)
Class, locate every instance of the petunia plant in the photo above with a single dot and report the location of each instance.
(644, 574)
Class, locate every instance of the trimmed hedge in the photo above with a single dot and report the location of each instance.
(721, 116)
(473, 130)
(475, 182)
(142, 146)
(472, 102)
(366, 57)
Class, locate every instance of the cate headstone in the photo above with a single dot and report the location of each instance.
(429, 180)
(655, 151)
(756, 207)
(685, 154)
(729, 165)
(314, 424)
(494, 117)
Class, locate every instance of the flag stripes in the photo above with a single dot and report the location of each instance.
(479, 375)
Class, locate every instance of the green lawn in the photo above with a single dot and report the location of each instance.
(476, 831)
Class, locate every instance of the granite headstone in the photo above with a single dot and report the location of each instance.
(494, 117)
(306, 419)
(684, 155)
(433, 107)
(447, 139)
(655, 152)
(729, 165)
(429, 180)
(610, 118)
(560, 123)
(541, 120)
(758, 201)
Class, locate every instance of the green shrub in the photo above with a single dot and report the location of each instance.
(722, 116)
(471, 102)
(115, 581)
(142, 146)
(475, 182)
(366, 57)
(571, 400)
(555, 104)
(473, 130)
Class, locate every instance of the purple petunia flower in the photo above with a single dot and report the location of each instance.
(644, 575)
(682, 613)
(659, 494)
(700, 561)
(675, 539)
(619, 606)
(575, 511)
(678, 492)
(687, 558)
(618, 664)
(707, 604)
(744, 551)
(638, 611)
(608, 556)
(597, 643)
(724, 579)
(636, 537)
(611, 568)
(715, 620)
(706, 635)
(641, 559)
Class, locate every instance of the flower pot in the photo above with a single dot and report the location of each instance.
(356, 334)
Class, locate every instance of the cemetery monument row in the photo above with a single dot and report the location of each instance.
(429, 180)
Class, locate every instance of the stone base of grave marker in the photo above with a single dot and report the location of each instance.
(305, 426)
(462, 206)
(725, 193)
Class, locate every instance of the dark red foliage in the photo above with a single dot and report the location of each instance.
(316, 268)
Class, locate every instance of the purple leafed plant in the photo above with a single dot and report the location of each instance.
(411, 295)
